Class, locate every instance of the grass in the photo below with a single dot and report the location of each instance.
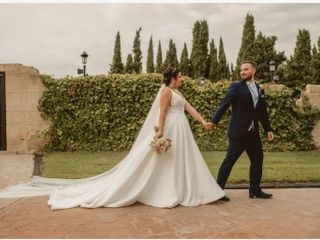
(278, 166)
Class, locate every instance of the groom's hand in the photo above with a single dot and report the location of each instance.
(270, 136)
(210, 126)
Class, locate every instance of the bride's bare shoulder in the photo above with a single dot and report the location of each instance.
(166, 91)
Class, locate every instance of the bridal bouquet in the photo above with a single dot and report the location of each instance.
(160, 145)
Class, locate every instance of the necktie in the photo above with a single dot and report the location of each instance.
(255, 96)
(254, 93)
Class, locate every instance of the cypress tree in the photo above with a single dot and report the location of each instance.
(213, 62)
(223, 69)
(199, 53)
(150, 64)
(137, 54)
(171, 57)
(129, 65)
(184, 61)
(117, 66)
(232, 72)
(315, 63)
(159, 68)
(228, 71)
(298, 70)
(262, 58)
(248, 37)
(195, 48)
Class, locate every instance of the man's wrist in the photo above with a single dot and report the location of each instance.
(213, 123)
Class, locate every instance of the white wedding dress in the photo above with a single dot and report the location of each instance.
(179, 176)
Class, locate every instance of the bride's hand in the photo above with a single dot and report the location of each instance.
(208, 125)
(159, 134)
(204, 123)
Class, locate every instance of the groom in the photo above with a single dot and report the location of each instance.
(248, 107)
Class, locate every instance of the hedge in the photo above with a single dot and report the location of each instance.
(105, 113)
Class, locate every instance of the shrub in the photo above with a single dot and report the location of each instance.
(103, 113)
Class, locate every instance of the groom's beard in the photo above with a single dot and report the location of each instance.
(246, 77)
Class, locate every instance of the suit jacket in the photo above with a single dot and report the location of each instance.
(243, 111)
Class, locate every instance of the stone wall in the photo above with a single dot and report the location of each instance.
(24, 123)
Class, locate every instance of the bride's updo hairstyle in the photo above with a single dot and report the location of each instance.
(169, 73)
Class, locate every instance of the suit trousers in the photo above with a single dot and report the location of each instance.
(251, 143)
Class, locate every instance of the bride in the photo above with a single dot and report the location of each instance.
(178, 176)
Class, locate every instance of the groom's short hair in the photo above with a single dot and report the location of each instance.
(249, 62)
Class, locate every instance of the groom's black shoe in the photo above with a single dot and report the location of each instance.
(225, 198)
(259, 194)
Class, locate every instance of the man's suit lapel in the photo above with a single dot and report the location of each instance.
(246, 88)
(259, 93)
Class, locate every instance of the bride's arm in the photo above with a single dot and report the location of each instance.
(193, 112)
(164, 107)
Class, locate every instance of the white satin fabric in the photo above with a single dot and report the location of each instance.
(179, 176)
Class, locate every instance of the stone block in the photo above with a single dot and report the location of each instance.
(313, 88)
(13, 132)
(34, 84)
(17, 118)
(10, 146)
(314, 99)
(13, 102)
(16, 82)
(29, 102)
(19, 68)
(12, 67)
(16, 146)
(24, 134)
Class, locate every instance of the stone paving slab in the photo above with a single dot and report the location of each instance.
(14, 169)
(292, 213)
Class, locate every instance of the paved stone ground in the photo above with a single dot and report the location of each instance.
(292, 213)
(14, 169)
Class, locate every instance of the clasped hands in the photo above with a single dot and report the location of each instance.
(208, 125)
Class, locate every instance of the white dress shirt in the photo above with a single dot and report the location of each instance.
(255, 96)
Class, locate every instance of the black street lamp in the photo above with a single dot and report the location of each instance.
(84, 57)
(272, 67)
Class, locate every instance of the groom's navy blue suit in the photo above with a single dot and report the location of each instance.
(240, 137)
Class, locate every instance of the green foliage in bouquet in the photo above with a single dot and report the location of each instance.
(105, 113)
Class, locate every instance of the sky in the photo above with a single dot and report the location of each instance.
(52, 36)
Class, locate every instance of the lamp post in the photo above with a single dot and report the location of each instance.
(272, 67)
(84, 57)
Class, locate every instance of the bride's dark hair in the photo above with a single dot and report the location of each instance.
(170, 72)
